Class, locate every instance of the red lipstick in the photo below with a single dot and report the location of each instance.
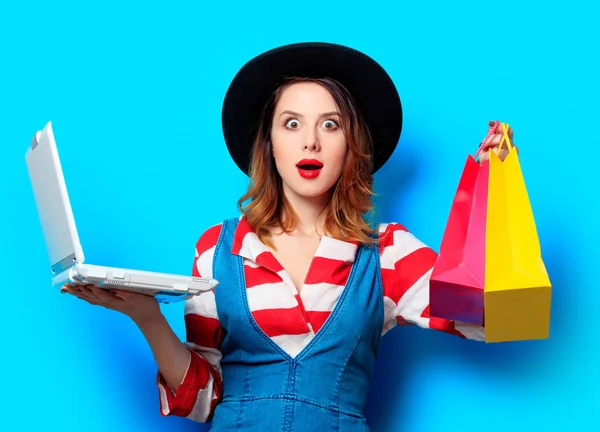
(309, 168)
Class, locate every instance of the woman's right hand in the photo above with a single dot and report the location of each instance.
(139, 307)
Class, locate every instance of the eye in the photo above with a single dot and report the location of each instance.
(330, 124)
(292, 123)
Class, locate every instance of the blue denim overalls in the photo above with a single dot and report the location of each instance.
(324, 387)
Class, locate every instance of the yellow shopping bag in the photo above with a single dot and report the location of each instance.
(517, 292)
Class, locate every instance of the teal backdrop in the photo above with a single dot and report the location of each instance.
(134, 91)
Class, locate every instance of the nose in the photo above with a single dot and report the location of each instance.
(312, 143)
(313, 147)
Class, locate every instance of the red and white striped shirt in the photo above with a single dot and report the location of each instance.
(291, 319)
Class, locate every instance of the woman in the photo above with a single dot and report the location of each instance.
(307, 286)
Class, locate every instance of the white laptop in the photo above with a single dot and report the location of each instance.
(67, 261)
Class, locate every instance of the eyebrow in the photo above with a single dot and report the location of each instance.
(330, 113)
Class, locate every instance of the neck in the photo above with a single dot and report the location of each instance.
(309, 212)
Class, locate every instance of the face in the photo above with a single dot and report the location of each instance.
(309, 146)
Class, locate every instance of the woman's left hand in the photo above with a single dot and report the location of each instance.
(494, 140)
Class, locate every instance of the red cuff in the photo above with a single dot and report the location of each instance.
(182, 402)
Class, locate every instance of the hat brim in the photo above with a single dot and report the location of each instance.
(372, 88)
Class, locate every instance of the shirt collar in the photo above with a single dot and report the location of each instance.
(246, 244)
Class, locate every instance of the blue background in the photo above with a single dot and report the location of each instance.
(134, 92)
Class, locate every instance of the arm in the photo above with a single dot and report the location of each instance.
(195, 392)
(406, 265)
(170, 354)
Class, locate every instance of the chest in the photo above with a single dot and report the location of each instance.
(296, 255)
(326, 275)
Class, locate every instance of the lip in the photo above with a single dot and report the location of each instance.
(312, 173)
(310, 162)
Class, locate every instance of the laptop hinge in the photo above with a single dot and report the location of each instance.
(34, 142)
(63, 264)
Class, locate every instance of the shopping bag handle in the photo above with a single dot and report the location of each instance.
(509, 145)
(491, 132)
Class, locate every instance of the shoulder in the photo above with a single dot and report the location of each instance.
(396, 241)
(204, 251)
(391, 233)
(404, 260)
(208, 238)
(205, 248)
(385, 228)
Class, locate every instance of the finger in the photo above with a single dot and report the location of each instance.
(71, 288)
(83, 295)
(492, 129)
(125, 295)
(89, 291)
(510, 131)
(97, 297)
(85, 292)
(501, 128)
(129, 295)
(104, 297)
(493, 141)
(491, 125)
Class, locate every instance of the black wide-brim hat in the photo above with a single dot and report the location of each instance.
(371, 87)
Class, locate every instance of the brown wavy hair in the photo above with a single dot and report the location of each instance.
(350, 201)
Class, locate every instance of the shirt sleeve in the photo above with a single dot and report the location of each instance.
(201, 388)
(406, 266)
